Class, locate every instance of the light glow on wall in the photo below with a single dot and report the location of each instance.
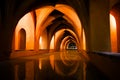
(43, 40)
(26, 23)
(40, 42)
(57, 38)
(42, 15)
(63, 46)
(71, 16)
(113, 33)
(52, 43)
(84, 40)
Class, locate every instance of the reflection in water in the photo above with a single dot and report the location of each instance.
(52, 58)
(40, 63)
(67, 65)
(16, 72)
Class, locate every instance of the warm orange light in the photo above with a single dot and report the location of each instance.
(40, 42)
(84, 41)
(63, 45)
(70, 16)
(52, 59)
(42, 14)
(52, 43)
(65, 42)
(43, 40)
(26, 23)
(58, 35)
(40, 64)
(112, 22)
(113, 33)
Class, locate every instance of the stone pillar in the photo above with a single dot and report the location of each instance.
(6, 36)
(99, 25)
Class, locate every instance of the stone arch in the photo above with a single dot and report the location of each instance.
(58, 36)
(71, 45)
(72, 18)
(26, 23)
(66, 41)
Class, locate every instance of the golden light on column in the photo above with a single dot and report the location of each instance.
(62, 46)
(40, 42)
(67, 43)
(57, 37)
(113, 33)
(52, 43)
(42, 14)
(43, 40)
(84, 40)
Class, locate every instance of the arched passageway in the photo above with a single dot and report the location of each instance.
(53, 24)
(48, 14)
(71, 45)
(49, 17)
(57, 25)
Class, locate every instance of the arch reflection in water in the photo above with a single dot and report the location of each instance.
(66, 65)
(69, 65)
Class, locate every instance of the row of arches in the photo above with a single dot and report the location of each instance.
(56, 27)
(53, 28)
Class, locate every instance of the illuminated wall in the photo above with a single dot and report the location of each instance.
(26, 23)
(52, 44)
(113, 33)
(83, 39)
(115, 27)
(43, 44)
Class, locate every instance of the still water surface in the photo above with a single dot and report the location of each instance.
(67, 65)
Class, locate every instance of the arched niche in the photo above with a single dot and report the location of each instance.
(22, 39)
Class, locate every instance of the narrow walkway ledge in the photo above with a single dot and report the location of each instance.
(17, 54)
